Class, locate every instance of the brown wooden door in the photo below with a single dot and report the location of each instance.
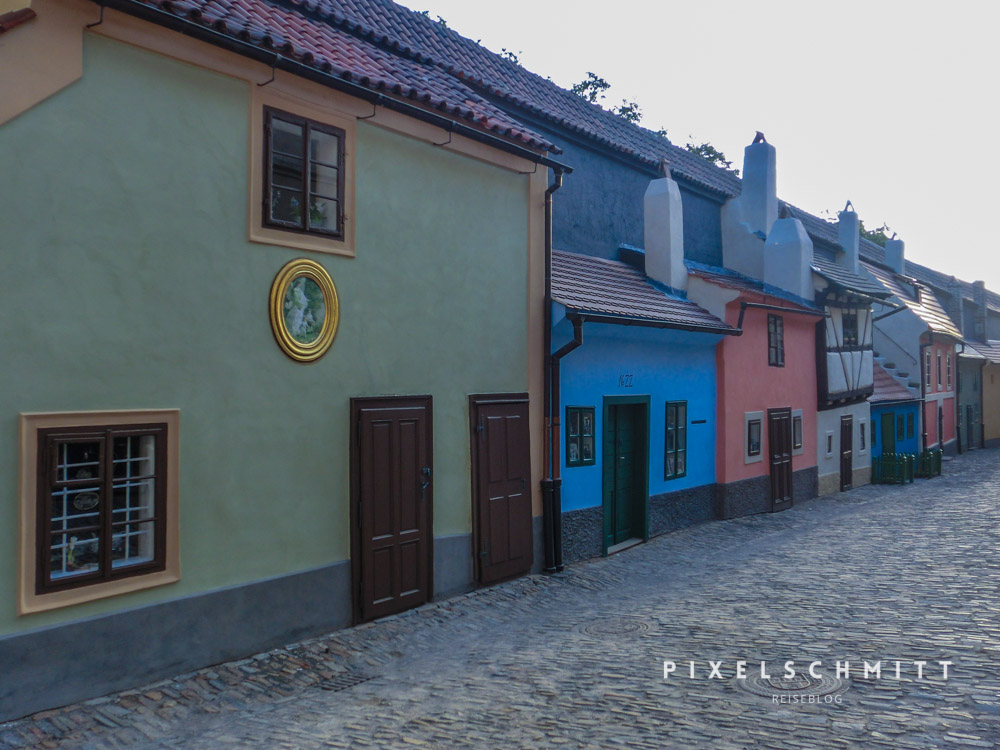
(779, 433)
(391, 551)
(846, 452)
(501, 476)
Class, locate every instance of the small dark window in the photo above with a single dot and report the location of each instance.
(909, 425)
(948, 370)
(861, 435)
(753, 437)
(580, 435)
(796, 432)
(874, 433)
(850, 329)
(775, 341)
(101, 504)
(927, 370)
(829, 445)
(675, 454)
(939, 370)
(899, 427)
(303, 174)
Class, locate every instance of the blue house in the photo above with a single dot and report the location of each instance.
(895, 415)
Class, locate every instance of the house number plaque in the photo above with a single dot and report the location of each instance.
(625, 380)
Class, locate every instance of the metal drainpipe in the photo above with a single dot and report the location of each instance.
(551, 520)
(556, 439)
(923, 390)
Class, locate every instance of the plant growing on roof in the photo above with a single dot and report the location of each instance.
(710, 153)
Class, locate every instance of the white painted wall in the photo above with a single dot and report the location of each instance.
(829, 421)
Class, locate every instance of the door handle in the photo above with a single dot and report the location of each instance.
(425, 480)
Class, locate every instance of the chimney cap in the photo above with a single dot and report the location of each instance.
(759, 137)
(848, 207)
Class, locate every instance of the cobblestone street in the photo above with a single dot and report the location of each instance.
(882, 573)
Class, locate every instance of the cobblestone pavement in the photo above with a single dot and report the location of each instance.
(893, 573)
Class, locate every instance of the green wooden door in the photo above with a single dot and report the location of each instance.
(889, 433)
(625, 463)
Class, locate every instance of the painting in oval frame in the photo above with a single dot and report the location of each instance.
(304, 310)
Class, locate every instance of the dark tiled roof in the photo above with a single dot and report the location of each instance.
(847, 279)
(608, 287)
(928, 308)
(887, 388)
(341, 49)
(988, 349)
(734, 280)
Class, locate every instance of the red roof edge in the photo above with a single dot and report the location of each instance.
(15, 18)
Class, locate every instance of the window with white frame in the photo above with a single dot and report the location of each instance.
(798, 437)
(753, 437)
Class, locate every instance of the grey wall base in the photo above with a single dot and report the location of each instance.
(671, 511)
(581, 533)
(64, 664)
(751, 496)
(453, 571)
(538, 542)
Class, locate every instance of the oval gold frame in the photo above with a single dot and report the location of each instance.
(289, 272)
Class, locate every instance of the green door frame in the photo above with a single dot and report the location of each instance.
(643, 480)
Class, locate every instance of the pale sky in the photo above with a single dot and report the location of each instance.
(893, 105)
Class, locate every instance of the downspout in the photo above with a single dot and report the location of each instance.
(551, 514)
(924, 374)
(956, 381)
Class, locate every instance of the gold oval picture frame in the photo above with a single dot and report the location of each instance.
(304, 310)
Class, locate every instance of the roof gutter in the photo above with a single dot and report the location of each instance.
(275, 60)
(776, 308)
(625, 320)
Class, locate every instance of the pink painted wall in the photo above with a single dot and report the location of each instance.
(747, 383)
(948, 403)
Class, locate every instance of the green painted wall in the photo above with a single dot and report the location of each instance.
(127, 281)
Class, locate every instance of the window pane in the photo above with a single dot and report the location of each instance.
(682, 412)
(671, 416)
(78, 461)
(286, 205)
(671, 464)
(323, 180)
(573, 417)
(74, 554)
(132, 544)
(324, 147)
(588, 448)
(753, 437)
(587, 422)
(573, 457)
(133, 500)
(671, 440)
(322, 213)
(134, 456)
(76, 508)
(286, 171)
(286, 137)
(681, 462)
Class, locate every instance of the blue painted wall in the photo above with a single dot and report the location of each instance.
(599, 207)
(906, 445)
(666, 365)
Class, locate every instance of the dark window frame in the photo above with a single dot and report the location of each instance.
(49, 440)
(308, 126)
(862, 445)
(900, 428)
(760, 436)
(679, 433)
(775, 340)
(910, 425)
(927, 370)
(850, 331)
(948, 370)
(797, 426)
(578, 435)
(939, 381)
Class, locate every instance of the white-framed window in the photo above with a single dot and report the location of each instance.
(863, 436)
(829, 443)
(798, 433)
(98, 505)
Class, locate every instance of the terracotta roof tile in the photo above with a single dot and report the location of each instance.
(374, 61)
(586, 284)
(887, 388)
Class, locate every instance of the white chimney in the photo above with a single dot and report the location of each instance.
(663, 232)
(788, 256)
(847, 233)
(894, 255)
(759, 194)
